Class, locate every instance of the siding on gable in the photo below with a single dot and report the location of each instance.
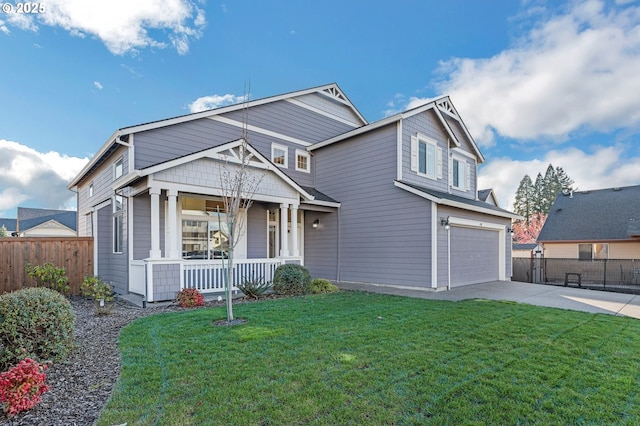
(292, 120)
(384, 231)
(429, 125)
(102, 179)
(331, 106)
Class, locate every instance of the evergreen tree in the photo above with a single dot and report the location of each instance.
(524, 204)
(538, 193)
(550, 189)
(566, 183)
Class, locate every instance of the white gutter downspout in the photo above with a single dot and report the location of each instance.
(449, 258)
(434, 245)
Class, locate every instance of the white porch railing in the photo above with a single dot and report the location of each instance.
(208, 275)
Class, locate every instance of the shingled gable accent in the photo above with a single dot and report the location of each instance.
(224, 152)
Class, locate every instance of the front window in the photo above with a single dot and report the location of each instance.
(279, 155)
(302, 161)
(205, 233)
(459, 174)
(91, 189)
(427, 153)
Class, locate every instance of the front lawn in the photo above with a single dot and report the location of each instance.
(358, 358)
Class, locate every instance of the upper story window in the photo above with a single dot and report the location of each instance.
(118, 168)
(279, 155)
(460, 174)
(303, 163)
(91, 189)
(426, 157)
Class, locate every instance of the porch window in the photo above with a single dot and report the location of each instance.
(302, 161)
(279, 154)
(204, 234)
(118, 224)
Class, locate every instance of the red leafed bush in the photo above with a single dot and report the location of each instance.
(22, 385)
(190, 298)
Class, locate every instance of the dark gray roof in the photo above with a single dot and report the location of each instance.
(447, 196)
(600, 215)
(30, 217)
(528, 246)
(9, 224)
(319, 196)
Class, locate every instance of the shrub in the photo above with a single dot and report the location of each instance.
(190, 298)
(254, 287)
(48, 275)
(100, 291)
(320, 285)
(291, 279)
(22, 385)
(35, 323)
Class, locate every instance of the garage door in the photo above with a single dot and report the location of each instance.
(474, 256)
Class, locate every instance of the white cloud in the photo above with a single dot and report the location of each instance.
(604, 167)
(122, 25)
(576, 71)
(215, 101)
(4, 28)
(97, 85)
(40, 178)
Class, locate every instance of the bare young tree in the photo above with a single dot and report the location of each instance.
(239, 182)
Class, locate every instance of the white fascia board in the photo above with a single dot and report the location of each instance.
(460, 152)
(105, 147)
(417, 110)
(456, 204)
(481, 158)
(324, 113)
(125, 180)
(356, 132)
(469, 223)
(259, 130)
(399, 150)
(452, 135)
(217, 192)
(323, 203)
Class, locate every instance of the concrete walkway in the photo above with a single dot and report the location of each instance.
(576, 299)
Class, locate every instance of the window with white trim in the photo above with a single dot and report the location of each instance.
(460, 174)
(118, 168)
(593, 251)
(118, 224)
(303, 161)
(91, 189)
(426, 157)
(279, 155)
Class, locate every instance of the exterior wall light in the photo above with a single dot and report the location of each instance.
(445, 222)
(316, 223)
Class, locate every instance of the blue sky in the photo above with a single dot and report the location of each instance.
(536, 82)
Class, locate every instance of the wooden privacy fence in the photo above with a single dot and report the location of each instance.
(75, 254)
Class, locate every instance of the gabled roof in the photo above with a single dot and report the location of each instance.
(527, 246)
(9, 224)
(440, 106)
(600, 215)
(487, 195)
(226, 150)
(447, 199)
(31, 217)
(120, 136)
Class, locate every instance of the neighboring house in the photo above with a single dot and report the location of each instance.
(392, 202)
(599, 224)
(488, 196)
(32, 222)
(9, 225)
(528, 250)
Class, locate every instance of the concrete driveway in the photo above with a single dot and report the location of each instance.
(576, 299)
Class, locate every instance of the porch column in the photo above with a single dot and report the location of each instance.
(294, 231)
(154, 253)
(284, 251)
(172, 196)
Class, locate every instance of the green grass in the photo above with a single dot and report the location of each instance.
(357, 358)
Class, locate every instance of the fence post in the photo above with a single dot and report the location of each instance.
(604, 281)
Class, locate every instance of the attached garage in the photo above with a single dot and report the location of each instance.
(475, 255)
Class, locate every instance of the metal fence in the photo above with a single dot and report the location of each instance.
(619, 275)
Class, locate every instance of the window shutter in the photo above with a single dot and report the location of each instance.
(450, 171)
(468, 177)
(414, 153)
(439, 163)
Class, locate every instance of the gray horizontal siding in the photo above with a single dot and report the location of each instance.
(321, 244)
(257, 231)
(112, 268)
(292, 120)
(429, 125)
(141, 227)
(384, 231)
